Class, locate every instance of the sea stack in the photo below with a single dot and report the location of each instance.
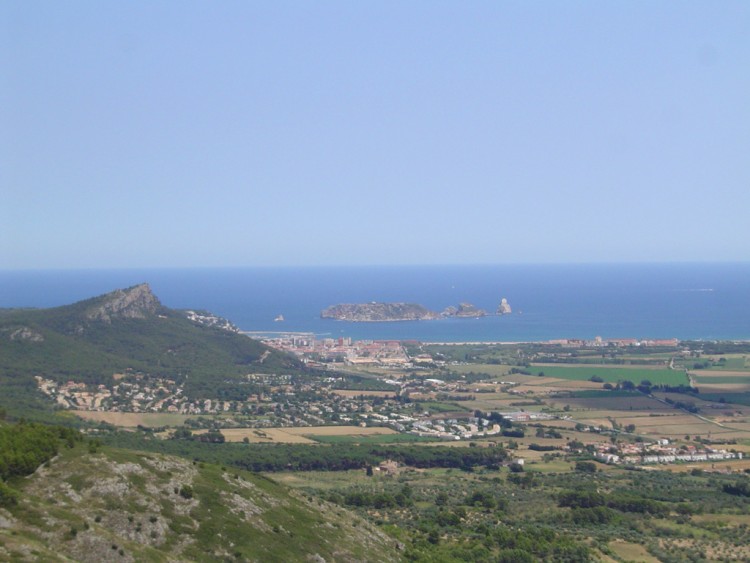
(504, 308)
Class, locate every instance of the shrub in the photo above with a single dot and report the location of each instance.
(8, 497)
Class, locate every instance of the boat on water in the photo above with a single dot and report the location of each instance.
(279, 319)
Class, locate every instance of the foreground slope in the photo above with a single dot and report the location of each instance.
(114, 505)
(129, 331)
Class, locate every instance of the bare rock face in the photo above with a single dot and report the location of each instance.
(136, 302)
(25, 333)
(504, 308)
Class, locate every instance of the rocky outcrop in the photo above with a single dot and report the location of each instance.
(504, 307)
(24, 334)
(466, 310)
(137, 302)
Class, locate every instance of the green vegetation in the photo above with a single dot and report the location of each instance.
(494, 515)
(615, 374)
(459, 502)
(373, 439)
(90, 341)
(87, 506)
(714, 380)
(728, 397)
(358, 382)
(301, 457)
(600, 394)
(24, 447)
(439, 406)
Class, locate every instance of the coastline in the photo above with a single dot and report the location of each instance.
(578, 301)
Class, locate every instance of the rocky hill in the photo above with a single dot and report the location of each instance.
(129, 330)
(99, 504)
(135, 303)
(464, 310)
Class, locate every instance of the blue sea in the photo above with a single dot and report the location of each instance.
(685, 301)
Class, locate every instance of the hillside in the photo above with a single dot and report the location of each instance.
(100, 504)
(129, 331)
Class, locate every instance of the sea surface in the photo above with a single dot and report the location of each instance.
(685, 301)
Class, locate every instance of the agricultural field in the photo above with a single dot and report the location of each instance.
(730, 362)
(302, 435)
(616, 402)
(613, 374)
(355, 393)
(135, 419)
(490, 370)
(720, 381)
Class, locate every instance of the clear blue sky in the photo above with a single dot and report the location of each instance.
(139, 134)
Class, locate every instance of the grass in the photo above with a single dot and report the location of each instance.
(604, 393)
(729, 397)
(631, 551)
(440, 407)
(739, 363)
(719, 380)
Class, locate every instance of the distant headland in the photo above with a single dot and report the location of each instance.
(390, 312)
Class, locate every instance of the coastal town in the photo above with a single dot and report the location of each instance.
(410, 388)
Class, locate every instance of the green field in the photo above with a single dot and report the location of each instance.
(438, 407)
(719, 380)
(613, 375)
(731, 363)
(729, 397)
(597, 394)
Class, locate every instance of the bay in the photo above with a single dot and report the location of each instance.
(685, 301)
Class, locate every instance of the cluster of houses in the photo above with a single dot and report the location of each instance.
(343, 349)
(453, 429)
(130, 393)
(660, 452)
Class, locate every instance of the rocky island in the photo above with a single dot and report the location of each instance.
(378, 312)
(464, 310)
(385, 312)
(504, 307)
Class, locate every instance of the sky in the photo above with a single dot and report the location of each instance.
(206, 134)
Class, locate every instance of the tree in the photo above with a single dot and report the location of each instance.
(586, 466)
(8, 496)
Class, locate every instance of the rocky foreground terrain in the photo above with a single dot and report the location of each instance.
(115, 505)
